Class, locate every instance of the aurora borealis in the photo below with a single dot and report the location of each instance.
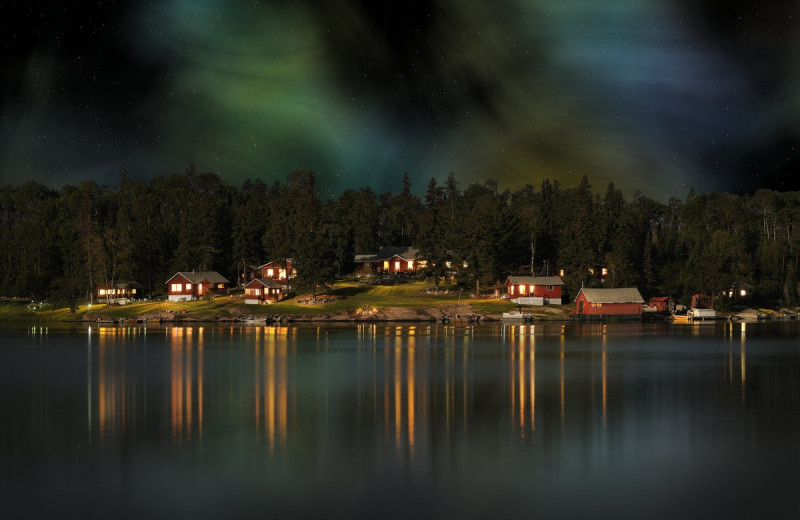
(653, 95)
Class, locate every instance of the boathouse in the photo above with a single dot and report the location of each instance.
(622, 303)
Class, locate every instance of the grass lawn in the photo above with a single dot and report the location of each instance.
(349, 294)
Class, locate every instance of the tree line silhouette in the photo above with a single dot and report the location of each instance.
(59, 244)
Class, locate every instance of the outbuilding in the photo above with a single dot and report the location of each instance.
(622, 303)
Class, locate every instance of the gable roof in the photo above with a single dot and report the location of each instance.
(274, 262)
(265, 282)
(621, 295)
(197, 277)
(535, 280)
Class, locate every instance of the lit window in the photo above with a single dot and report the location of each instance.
(522, 289)
(510, 289)
(531, 288)
(270, 273)
(561, 273)
(742, 292)
(386, 265)
(176, 287)
(282, 274)
(188, 287)
(410, 265)
(397, 266)
(102, 292)
(448, 264)
(133, 291)
(604, 272)
(221, 286)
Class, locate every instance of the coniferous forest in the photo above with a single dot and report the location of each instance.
(60, 244)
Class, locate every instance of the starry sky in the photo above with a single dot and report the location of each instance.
(653, 95)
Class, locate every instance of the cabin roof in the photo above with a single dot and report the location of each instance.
(199, 276)
(620, 295)
(265, 282)
(276, 262)
(535, 280)
(386, 253)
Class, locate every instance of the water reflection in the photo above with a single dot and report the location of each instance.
(411, 383)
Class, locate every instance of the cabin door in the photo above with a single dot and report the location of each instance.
(580, 306)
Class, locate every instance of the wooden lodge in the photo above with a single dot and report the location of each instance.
(276, 270)
(661, 304)
(120, 292)
(389, 260)
(534, 290)
(193, 285)
(263, 291)
(623, 303)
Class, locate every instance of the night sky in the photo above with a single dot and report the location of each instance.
(654, 95)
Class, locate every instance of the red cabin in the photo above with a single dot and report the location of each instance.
(277, 270)
(191, 286)
(602, 303)
(701, 301)
(263, 291)
(546, 288)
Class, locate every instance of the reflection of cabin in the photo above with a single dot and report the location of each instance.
(534, 290)
(262, 291)
(120, 292)
(190, 286)
(389, 260)
(609, 303)
(277, 270)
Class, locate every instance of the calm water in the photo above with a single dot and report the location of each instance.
(376, 421)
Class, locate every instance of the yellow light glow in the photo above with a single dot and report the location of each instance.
(604, 272)
(742, 292)
(397, 266)
(270, 272)
(410, 265)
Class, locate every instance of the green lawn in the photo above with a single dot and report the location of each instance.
(349, 294)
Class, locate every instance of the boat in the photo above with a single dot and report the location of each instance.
(701, 314)
(518, 315)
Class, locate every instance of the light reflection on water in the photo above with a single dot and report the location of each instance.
(558, 419)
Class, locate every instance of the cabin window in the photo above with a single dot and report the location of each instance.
(604, 271)
(133, 291)
(561, 273)
(522, 289)
(221, 286)
(448, 264)
(531, 288)
(188, 287)
(510, 289)
(176, 287)
(282, 274)
(549, 287)
(397, 266)
(270, 272)
(410, 265)
(386, 265)
(102, 292)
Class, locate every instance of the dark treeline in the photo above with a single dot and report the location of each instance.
(60, 244)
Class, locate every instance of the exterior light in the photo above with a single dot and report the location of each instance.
(742, 293)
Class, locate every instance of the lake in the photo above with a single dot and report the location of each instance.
(401, 421)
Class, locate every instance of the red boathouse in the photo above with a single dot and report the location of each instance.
(623, 303)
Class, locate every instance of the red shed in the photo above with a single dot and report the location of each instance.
(548, 288)
(260, 291)
(600, 303)
(277, 270)
(190, 286)
(660, 303)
